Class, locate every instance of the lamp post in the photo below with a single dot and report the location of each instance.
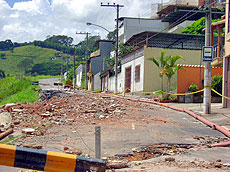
(89, 24)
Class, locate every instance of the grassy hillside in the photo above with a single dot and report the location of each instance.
(9, 60)
(17, 91)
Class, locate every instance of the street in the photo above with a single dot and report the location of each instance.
(66, 123)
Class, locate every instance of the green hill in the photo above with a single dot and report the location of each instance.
(30, 59)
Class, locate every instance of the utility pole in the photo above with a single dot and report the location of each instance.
(117, 41)
(62, 67)
(207, 70)
(74, 68)
(87, 57)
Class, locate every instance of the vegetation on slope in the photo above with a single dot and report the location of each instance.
(22, 60)
(13, 90)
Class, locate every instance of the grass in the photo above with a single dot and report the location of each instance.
(83, 81)
(17, 91)
(12, 58)
(11, 140)
(37, 77)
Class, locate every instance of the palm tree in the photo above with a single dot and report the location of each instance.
(171, 68)
(167, 67)
(161, 63)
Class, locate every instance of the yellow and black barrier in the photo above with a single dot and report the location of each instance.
(47, 160)
(160, 92)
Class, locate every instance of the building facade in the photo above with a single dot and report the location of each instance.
(80, 72)
(226, 77)
(131, 26)
(98, 64)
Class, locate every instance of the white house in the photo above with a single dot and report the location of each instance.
(80, 73)
(141, 75)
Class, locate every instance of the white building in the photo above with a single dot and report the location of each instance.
(80, 73)
(132, 26)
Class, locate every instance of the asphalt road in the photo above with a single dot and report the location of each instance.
(138, 128)
(48, 84)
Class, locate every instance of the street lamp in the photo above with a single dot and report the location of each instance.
(89, 24)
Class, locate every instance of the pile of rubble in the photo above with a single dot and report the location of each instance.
(66, 109)
(164, 156)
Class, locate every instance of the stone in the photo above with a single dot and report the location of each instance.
(170, 159)
(5, 120)
(28, 130)
(66, 148)
(17, 122)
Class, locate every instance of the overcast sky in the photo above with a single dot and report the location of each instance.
(28, 20)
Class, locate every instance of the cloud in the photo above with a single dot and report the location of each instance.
(35, 19)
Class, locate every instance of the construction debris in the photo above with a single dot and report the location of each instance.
(56, 111)
(6, 133)
(28, 130)
(5, 119)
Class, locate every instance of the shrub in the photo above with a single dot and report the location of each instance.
(217, 84)
(2, 74)
(193, 87)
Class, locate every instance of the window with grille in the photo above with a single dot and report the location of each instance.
(137, 73)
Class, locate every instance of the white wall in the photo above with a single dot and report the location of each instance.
(183, 2)
(132, 26)
(112, 84)
(97, 82)
(135, 86)
(80, 71)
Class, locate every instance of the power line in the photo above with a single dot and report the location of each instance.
(174, 23)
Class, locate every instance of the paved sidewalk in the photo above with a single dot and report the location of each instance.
(219, 115)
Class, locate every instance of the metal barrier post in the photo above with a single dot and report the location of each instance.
(98, 142)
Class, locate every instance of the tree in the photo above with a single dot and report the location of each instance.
(60, 39)
(91, 42)
(81, 46)
(6, 45)
(197, 27)
(50, 68)
(111, 35)
(161, 63)
(167, 67)
(25, 64)
(171, 68)
(124, 49)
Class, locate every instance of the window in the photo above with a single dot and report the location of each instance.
(137, 73)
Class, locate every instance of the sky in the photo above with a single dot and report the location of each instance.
(28, 20)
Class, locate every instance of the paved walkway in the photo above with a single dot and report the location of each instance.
(219, 115)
